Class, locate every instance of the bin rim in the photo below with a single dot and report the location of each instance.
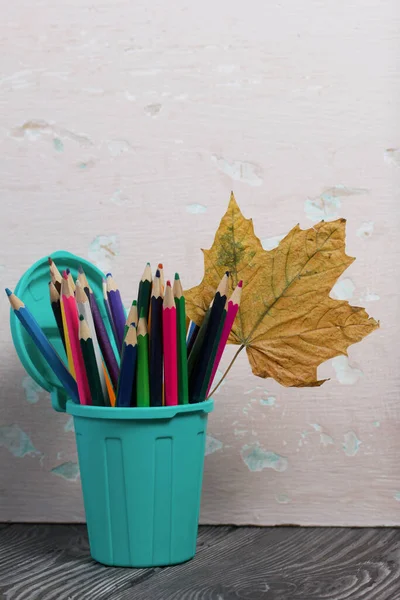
(135, 413)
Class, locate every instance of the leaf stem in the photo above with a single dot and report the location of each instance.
(226, 372)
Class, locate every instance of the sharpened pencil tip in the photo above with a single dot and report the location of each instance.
(148, 264)
(109, 275)
(8, 292)
(240, 284)
(134, 303)
(158, 274)
(50, 260)
(65, 274)
(81, 317)
(176, 276)
(227, 273)
(160, 266)
(168, 283)
(68, 271)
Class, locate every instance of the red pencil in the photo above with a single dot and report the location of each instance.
(72, 322)
(170, 348)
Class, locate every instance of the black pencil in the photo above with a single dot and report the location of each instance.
(56, 308)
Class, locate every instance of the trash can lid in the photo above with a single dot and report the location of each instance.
(33, 290)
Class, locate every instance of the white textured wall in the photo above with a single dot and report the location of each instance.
(123, 128)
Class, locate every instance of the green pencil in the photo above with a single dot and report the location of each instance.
(142, 379)
(131, 318)
(183, 384)
(89, 358)
(144, 294)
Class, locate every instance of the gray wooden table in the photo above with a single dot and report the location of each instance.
(52, 562)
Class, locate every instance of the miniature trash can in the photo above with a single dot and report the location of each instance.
(141, 468)
(141, 472)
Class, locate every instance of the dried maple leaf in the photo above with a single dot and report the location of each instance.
(287, 322)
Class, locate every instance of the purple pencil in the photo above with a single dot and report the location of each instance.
(117, 309)
(104, 341)
(109, 314)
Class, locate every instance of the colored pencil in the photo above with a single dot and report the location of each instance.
(197, 378)
(42, 343)
(83, 280)
(156, 344)
(162, 281)
(67, 340)
(72, 321)
(183, 384)
(143, 302)
(131, 318)
(85, 310)
(198, 343)
(55, 274)
(104, 341)
(191, 336)
(128, 368)
(233, 307)
(142, 376)
(170, 348)
(71, 281)
(108, 311)
(89, 359)
(214, 350)
(56, 308)
(117, 309)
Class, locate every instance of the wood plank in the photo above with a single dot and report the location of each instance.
(52, 562)
(285, 563)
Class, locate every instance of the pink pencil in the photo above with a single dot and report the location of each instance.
(72, 321)
(233, 307)
(170, 348)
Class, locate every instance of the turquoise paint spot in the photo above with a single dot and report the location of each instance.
(32, 390)
(282, 498)
(397, 496)
(69, 425)
(257, 458)
(82, 165)
(16, 441)
(325, 439)
(316, 426)
(270, 401)
(196, 209)
(212, 445)
(351, 443)
(68, 470)
(377, 423)
(58, 145)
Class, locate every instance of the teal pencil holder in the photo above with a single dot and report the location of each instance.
(141, 468)
(141, 472)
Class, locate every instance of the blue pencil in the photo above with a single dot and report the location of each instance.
(117, 309)
(43, 344)
(128, 368)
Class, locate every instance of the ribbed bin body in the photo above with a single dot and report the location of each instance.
(141, 472)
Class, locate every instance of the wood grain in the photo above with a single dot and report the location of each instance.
(52, 562)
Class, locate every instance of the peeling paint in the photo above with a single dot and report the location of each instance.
(68, 470)
(152, 110)
(36, 128)
(69, 425)
(397, 496)
(117, 147)
(345, 373)
(212, 445)
(326, 440)
(368, 296)
(257, 458)
(328, 204)
(270, 401)
(271, 242)
(365, 230)
(376, 424)
(120, 198)
(316, 426)
(343, 289)
(245, 172)
(351, 443)
(392, 156)
(103, 250)
(16, 441)
(58, 145)
(32, 390)
(282, 498)
(240, 432)
(196, 209)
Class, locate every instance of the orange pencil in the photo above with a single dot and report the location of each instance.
(170, 348)
(72, 324)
